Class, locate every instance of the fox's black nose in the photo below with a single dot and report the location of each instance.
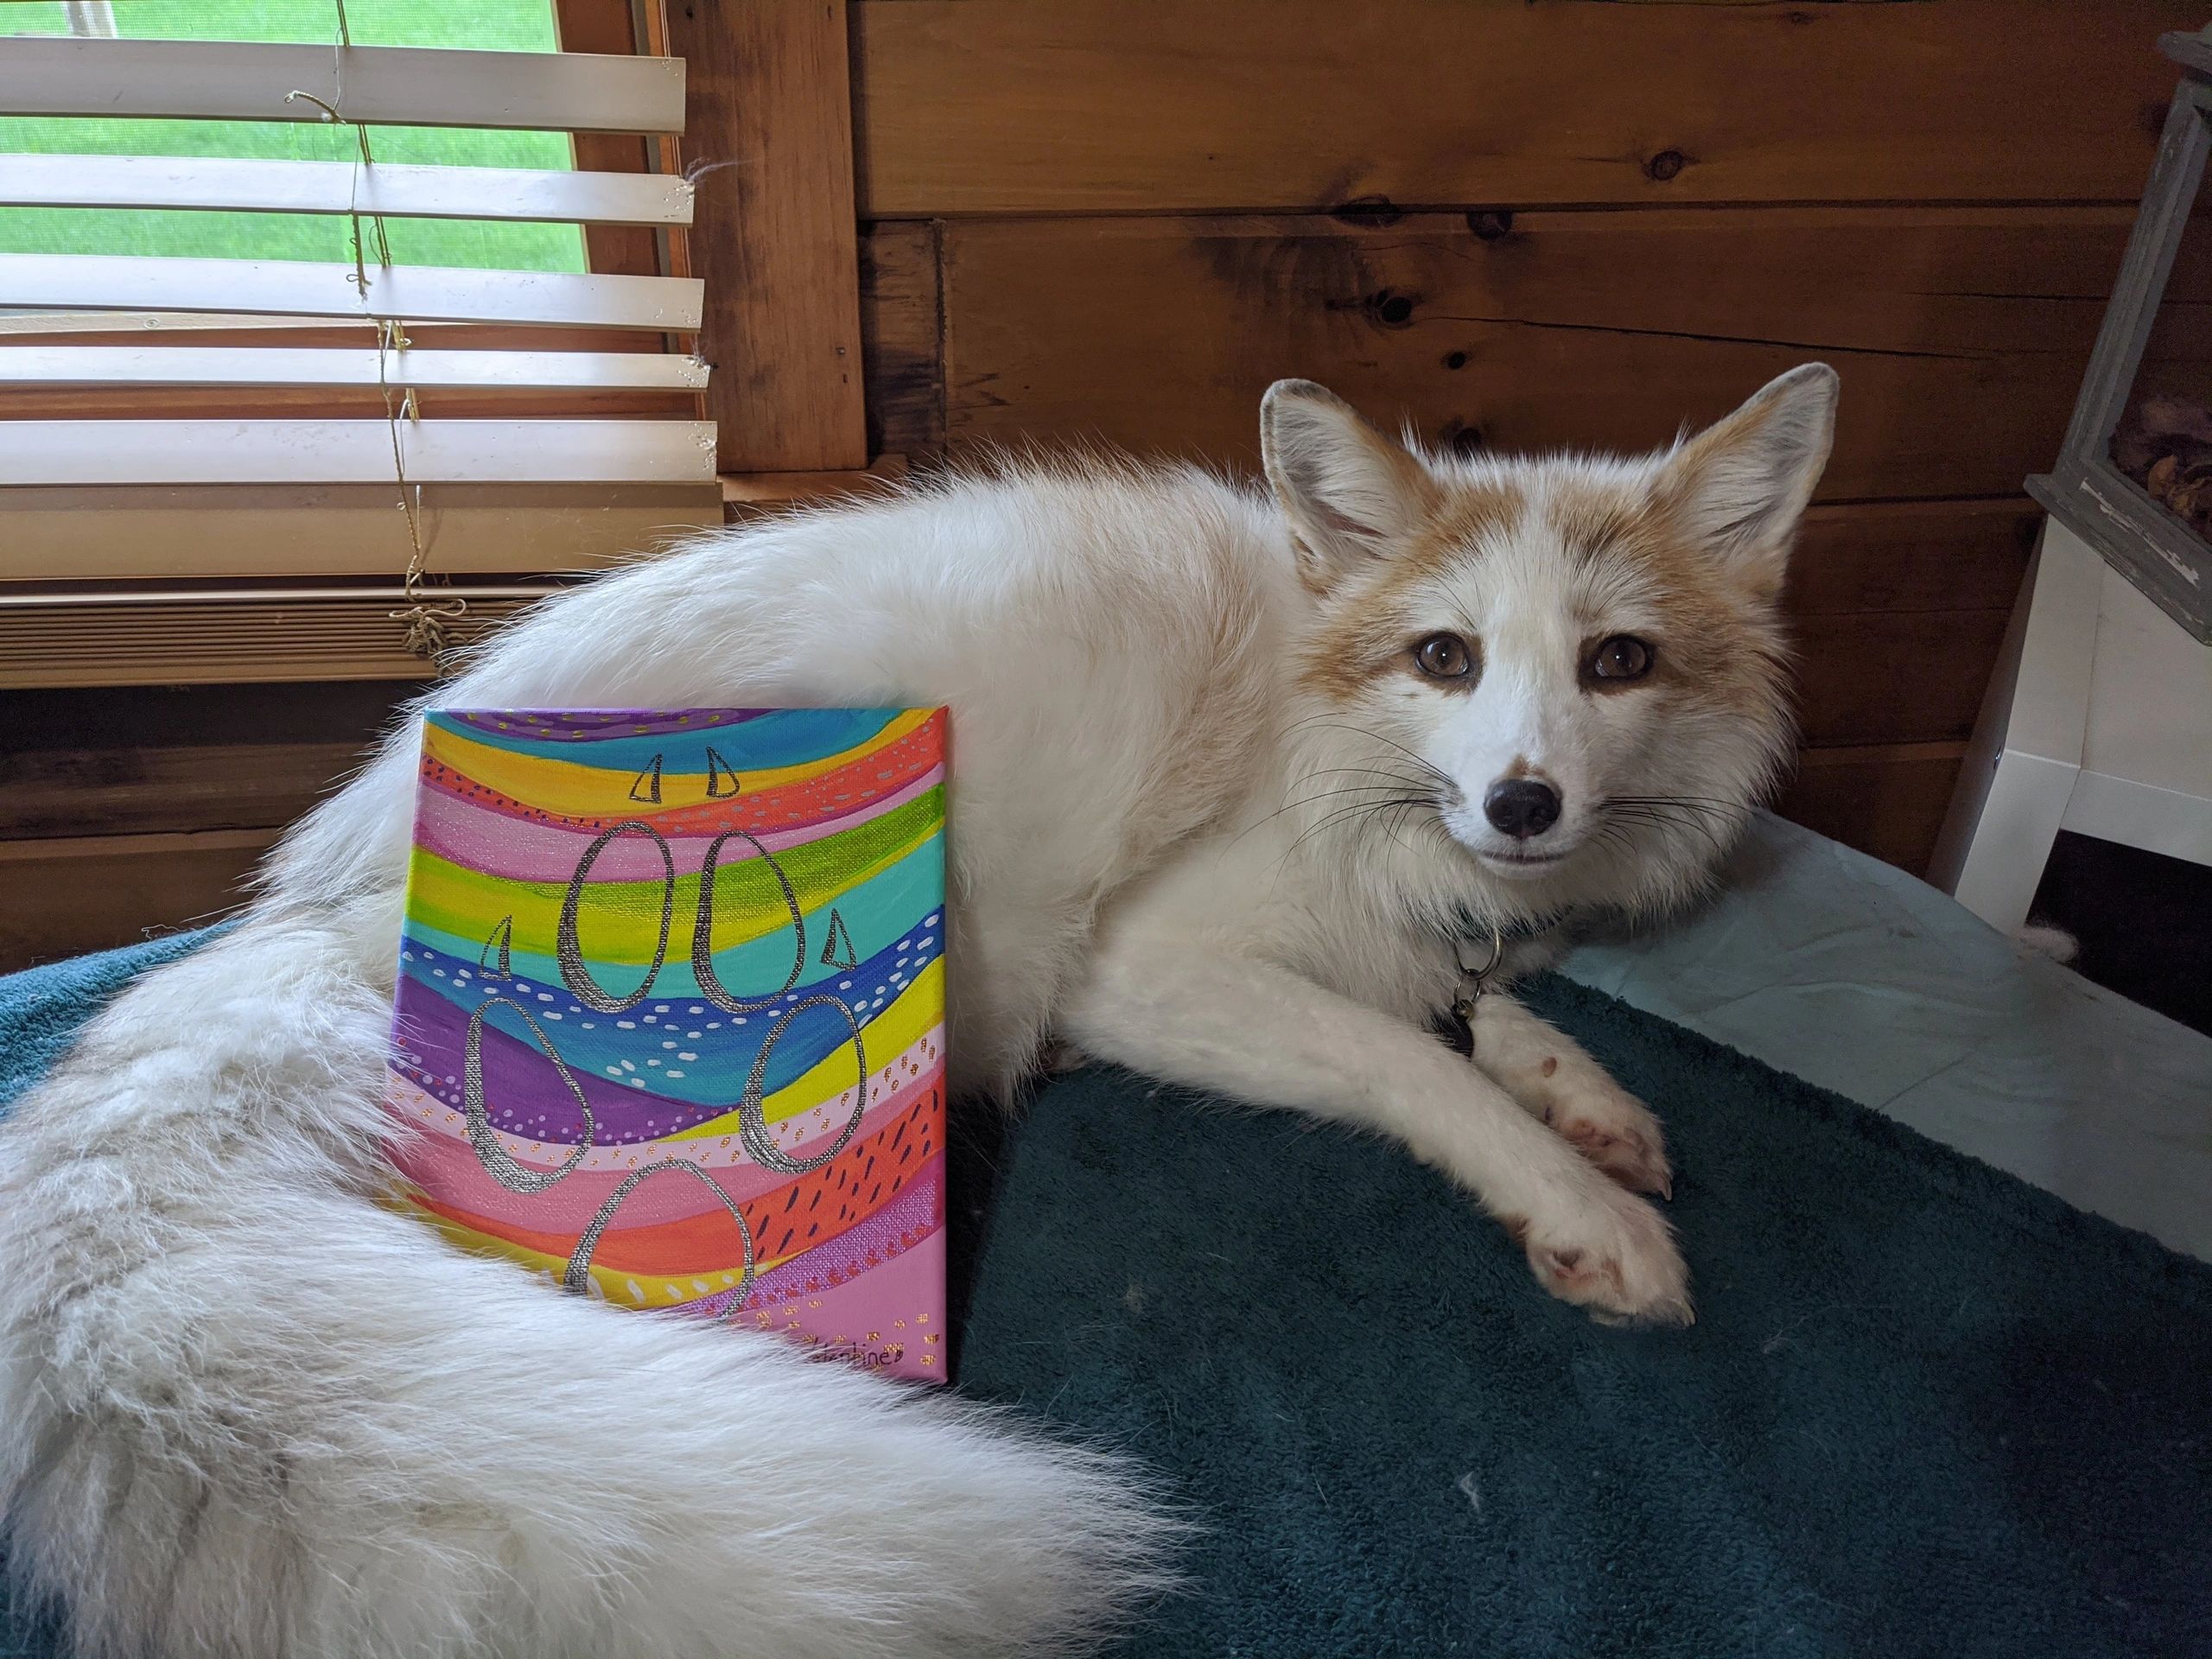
(1522, 807)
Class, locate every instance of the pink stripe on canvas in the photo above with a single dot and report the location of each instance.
(892, 1306)
(439, 1158)
(484, 839)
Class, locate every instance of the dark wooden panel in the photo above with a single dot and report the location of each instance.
(1886, 801)
(156, 716)
(135, 760)
(770, 101)
(131, 809)
(77, 792)
(902, 343)
(997, 106)
(1960, 333)
(62, 898)
(1912, 556)
(1911, 677)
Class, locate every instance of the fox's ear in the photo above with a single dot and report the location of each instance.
(1738, 487)
(1348, 491)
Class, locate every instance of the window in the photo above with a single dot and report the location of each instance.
(501, 25)
(310, 262)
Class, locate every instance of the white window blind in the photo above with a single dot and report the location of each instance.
(488, 380)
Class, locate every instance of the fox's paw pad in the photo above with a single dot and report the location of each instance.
(1617, 1260)
(1617, 1132)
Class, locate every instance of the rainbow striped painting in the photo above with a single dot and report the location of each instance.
(670, 1023)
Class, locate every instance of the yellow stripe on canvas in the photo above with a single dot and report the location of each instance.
(464, 904)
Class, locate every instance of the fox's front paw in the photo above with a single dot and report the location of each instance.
(1612, 1253)
(1614, 1130)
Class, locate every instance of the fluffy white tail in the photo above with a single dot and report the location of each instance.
(246, 1409)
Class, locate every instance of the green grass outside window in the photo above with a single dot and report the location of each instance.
(500, 25)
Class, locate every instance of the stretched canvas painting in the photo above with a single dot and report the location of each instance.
(670, 1025)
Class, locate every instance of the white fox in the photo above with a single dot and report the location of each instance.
(1232, 773)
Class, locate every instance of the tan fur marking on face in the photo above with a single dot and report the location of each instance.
(1344, 658)
(1715, 641)
(1592, 518)
(1463, 519)
(1365, 636)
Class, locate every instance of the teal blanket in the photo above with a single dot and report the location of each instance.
(1925, 1409)
(41, 1010)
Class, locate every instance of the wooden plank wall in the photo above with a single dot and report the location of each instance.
(1522, 224)
(138, 809)
(1514, 223)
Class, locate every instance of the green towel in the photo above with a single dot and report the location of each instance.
(1925, 1409)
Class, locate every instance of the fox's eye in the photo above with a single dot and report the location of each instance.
(1444, 657)
(1624, 657)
